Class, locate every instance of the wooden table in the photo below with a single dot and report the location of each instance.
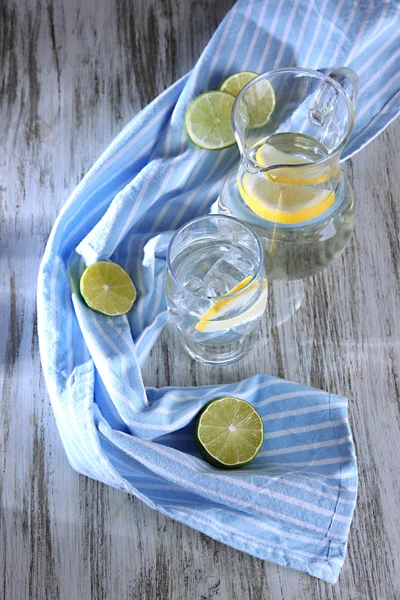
(73, 73)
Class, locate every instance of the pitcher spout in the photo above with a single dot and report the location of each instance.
(249, 164)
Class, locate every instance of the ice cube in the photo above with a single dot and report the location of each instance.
(227, 272)
(199, 286)
(222, 284)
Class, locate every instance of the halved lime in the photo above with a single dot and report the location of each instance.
(107, 288)
(234, 83)
(208, 120)
(229, 433)
(259, 102)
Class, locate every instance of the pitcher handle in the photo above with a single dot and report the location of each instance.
(348, 80)
(327, 96)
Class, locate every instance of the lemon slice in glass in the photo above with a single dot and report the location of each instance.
(234, 83)
(211, 319)
(107, 288)
(289, 205)
(208, 120)
(221, 307)
(229, 433)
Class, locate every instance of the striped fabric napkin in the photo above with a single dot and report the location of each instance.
(293, 505)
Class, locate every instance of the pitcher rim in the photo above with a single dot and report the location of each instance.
(311, 73)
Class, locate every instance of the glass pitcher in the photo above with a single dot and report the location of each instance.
(291, 126)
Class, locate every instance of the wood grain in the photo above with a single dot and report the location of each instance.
(72, 74)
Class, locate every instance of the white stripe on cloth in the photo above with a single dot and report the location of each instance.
(304, 447)
(223, 35)
(289, 396)
(282, 47)
(262, 62)
(239, 37)
(327, 36)
(304, 411)
(255, 36)
(311, 46)
(304, 429)
(381, 92)
(373, 38)
(378, 75)
(360, 33)
(300, 36)
(378, 53)
(342, 38)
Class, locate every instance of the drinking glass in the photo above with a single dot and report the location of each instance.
(216, 287)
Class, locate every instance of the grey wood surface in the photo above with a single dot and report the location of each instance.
(73, 72)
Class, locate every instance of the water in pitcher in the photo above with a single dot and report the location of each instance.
(304, 216)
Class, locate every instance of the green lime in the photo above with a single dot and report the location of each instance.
(259, 102)
(234, 83)
(208, 120)
(107, 288)
(229, 433)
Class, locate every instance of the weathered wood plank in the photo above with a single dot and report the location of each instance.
(72, 74)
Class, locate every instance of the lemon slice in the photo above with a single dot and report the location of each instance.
(229, 433)
(251, 314)
(268, 156)
(283, 204)
(260, 194)
(225, 305)
(208, 120)
(107, 288)
(234, 83)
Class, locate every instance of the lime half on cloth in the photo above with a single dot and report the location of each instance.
(234, 83)
(229, 433)
(208, 120)
(107, 288)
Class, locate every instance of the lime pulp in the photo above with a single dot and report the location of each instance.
(208, 120)
(234, 83)
(229, 433)
(107, 288)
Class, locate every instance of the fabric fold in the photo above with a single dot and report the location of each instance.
(294, 504)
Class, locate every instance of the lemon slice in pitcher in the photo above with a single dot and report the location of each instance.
(229, 433)
(283, 204)
(268, 156)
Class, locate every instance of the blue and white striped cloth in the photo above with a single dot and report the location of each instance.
(294, 504)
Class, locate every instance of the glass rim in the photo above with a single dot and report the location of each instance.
(309, 73)
(208, 217)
